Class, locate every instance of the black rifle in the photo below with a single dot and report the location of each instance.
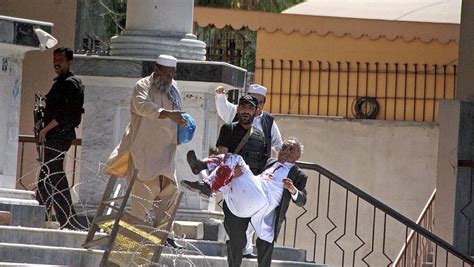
(38, 115)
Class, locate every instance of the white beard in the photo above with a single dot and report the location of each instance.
(163, 87)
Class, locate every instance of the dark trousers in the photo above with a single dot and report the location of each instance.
(236, 228)
(53, 187)
(264, 253)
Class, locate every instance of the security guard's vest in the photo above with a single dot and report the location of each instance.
(254, 152)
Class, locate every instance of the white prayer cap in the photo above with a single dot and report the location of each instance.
(257, 89)
(167, 61)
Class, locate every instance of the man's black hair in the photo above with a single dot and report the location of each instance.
(67, 51)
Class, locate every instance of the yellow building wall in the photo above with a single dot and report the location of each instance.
(296, 46)
(330, 85)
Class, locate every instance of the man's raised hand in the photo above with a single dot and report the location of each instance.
(219, 90)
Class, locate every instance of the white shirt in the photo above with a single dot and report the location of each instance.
(227, 112)
(255, 196)
(244, 195)
(264, 221)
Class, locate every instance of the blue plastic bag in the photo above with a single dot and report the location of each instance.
(186, 133)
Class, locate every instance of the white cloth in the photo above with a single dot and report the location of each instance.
(227, 112)
(244, 195)
(264, 221)
(149, 143)
(257, 89)
(255, 196)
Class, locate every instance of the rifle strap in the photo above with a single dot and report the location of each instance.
(244, 140)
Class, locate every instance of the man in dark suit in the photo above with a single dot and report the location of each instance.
(294, 188)
(281, 182)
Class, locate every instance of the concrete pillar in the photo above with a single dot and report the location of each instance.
(465, 89)
(174, 16)
(17, 37)
(462, 162)
(10, 97)
(109, 82)
(157, 27)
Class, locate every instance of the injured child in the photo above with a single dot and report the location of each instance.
(247, 195)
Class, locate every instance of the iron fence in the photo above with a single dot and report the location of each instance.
(351, 228)
(417, 246)
(408, 92)
(236, 47)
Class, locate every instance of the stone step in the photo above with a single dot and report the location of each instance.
(25, 253)
(215, 248)
(42, 236)
(74, 239)
(21, 255)
(23, 214)
(193, 224)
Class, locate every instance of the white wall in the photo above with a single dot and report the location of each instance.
(396, 162)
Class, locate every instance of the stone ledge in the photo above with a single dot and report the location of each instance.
(18, 194)
(25, 215)
(17, 31)
(189, 230)
(187, 70)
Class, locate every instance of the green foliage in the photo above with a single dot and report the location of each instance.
(113, 13)
(275, 6)
(217, 39)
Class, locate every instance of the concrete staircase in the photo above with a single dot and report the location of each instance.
(20, 246)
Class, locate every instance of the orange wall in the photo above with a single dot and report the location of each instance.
(280, 45)
(333, 95)
(38, 72)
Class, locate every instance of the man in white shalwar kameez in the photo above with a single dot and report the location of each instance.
(150, 139)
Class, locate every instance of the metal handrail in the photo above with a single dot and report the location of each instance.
(30, 139)
(418, 221)
(386, 209)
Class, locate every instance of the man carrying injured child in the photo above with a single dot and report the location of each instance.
(262, 200)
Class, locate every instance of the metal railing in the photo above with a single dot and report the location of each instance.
(349, 227)
(408, 92)
(416, 248)
(236, 47)
(27, 152)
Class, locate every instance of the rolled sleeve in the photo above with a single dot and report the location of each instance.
(276, 138)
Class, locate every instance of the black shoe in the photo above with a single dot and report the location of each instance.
(250, 256)
(202, 188)
(195, 164)
(172, 244)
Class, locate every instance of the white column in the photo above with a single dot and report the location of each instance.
(157, 27)
(160, 15)
(11, 63)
